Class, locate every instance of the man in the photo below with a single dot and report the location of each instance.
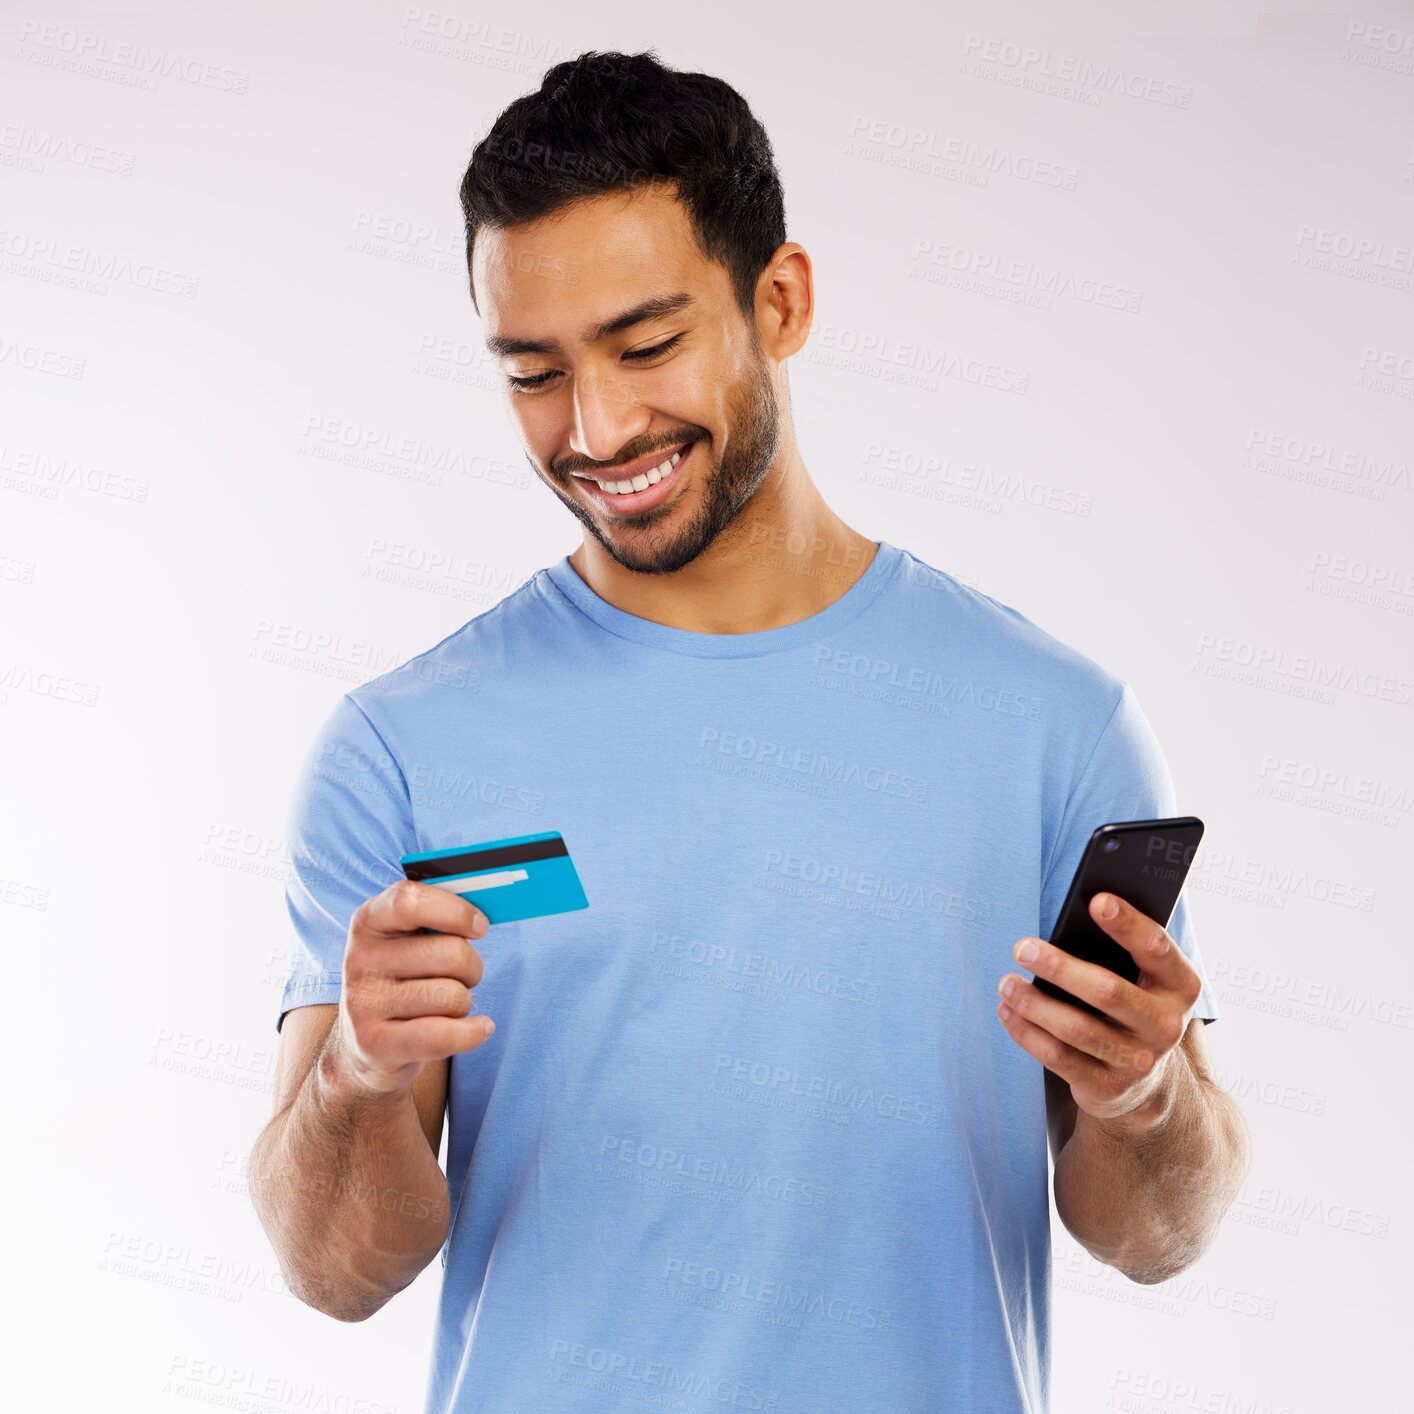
(754, 1128)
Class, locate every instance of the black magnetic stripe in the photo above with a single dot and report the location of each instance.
(449, 865)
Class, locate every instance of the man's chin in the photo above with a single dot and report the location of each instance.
(645, 558)
(660, 541)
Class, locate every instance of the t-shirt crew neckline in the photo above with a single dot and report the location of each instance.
(859, 596)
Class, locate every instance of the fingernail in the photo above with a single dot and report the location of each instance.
(1108, 906)
(1027, 951)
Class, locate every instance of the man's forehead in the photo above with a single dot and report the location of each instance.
(648, 212)
(599, 254)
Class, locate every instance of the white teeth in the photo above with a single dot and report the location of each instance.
(642, 481)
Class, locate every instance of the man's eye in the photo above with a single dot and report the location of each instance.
(656, 349)
(539, 379)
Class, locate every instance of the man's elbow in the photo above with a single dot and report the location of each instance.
(330, 1300)
(1228, 1177)
(1165, 1271)
(1239, 1139)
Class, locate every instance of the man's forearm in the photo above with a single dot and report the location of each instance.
(349, 1192)
(1146, 1193)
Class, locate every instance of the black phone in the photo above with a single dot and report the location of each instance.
(1144, 862)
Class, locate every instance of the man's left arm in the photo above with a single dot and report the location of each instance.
(1149, 1150)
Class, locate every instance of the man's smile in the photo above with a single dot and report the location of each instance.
(639, 485)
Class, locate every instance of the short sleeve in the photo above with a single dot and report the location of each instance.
(349, 821)
(1126, 778)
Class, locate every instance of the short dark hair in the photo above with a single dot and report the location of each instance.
(606, 122)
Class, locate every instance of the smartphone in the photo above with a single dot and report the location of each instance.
(1144, 862)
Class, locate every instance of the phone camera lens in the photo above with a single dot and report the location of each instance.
(1111, 844)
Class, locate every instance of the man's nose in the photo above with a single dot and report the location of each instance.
(606, 415)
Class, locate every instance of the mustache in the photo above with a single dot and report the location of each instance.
(563, 469)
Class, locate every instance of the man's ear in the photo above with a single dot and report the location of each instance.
(785, 301)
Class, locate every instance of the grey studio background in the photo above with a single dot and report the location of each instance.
(1115, 323)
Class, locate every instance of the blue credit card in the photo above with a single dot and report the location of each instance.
(526, 876)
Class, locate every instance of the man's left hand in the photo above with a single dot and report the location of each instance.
(1117, 1065)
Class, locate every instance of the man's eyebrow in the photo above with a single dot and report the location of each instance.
(655, 307)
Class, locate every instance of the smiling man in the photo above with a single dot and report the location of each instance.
(756, 1127)
(658, 423)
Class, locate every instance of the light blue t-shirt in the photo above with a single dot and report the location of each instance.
(749, 1133)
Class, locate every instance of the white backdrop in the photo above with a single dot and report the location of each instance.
(1115, 322)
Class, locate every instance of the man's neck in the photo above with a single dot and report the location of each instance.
(786, 557)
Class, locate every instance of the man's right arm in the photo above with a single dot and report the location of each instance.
(345, 1177)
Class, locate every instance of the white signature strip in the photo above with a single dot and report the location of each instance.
(464, 883)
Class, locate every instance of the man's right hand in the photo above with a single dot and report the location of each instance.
(406, 994)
